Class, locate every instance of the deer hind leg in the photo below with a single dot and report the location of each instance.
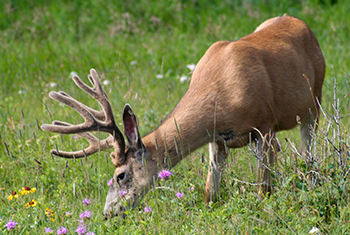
(306, 130)
(217, 163)
(267, 147)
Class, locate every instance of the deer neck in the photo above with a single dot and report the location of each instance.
(174, 139)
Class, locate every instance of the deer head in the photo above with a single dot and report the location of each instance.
(134, 172)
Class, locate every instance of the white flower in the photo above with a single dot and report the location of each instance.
(314, 230)
(20, 91)
(52, 84)
(72, 74)
(133, 62)
(106, 82)
(183, 78)
(191, 67)
(160, 76)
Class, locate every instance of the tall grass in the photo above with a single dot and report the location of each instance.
(43, 42)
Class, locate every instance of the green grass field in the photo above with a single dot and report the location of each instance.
(131, 44)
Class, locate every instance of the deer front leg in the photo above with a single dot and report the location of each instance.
(217, 163)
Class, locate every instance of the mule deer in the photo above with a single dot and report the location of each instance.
(240, 91)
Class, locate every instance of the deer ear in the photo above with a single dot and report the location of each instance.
(131, 129)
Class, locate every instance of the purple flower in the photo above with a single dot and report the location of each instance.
(164, 174)
(110, 182)
(63, 230)
(179, 195)
(48, 230)
(81, 230)
(86, 201)
(68, 213)
(81, 221)
(90, 233)
(11, 225)
(85, 215)
(122, 193)
(147, 209)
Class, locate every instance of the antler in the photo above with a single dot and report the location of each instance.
(94, 120)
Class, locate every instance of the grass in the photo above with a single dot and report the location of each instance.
(130, 43)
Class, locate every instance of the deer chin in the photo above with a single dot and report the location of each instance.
(119, 206)
(119, 209)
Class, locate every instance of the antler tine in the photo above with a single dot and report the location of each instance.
(95, 144)
(98, 94)
(94, 120)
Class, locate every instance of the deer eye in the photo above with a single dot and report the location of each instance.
(120, 176)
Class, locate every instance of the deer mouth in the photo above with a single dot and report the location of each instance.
(118, 212)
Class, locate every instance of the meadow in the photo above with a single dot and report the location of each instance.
(143, 51)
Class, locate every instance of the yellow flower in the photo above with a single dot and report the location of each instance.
(48, 211)
(13, 195)
(50, 214)
(27, 190)
(31, 204)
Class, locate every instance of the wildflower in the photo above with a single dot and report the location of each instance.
(50, 214)
(183, 78)
(191, 67)
(106, 82)
(63, 230)
(122, 193)
(147, 209)
(81, 229)
(75, 137)
(48, 230)
(13, 195)
(31, 204)
(68, 213)
(86, 201)
(90, 233)
(27, 190)
(164, 174)
(81, 221)
(192, 188)
(52, 84)
(160, 76)
(11, 225)
(85, 215)
(314, 230)
(133, 62)
(179, 195)
(110, 182)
